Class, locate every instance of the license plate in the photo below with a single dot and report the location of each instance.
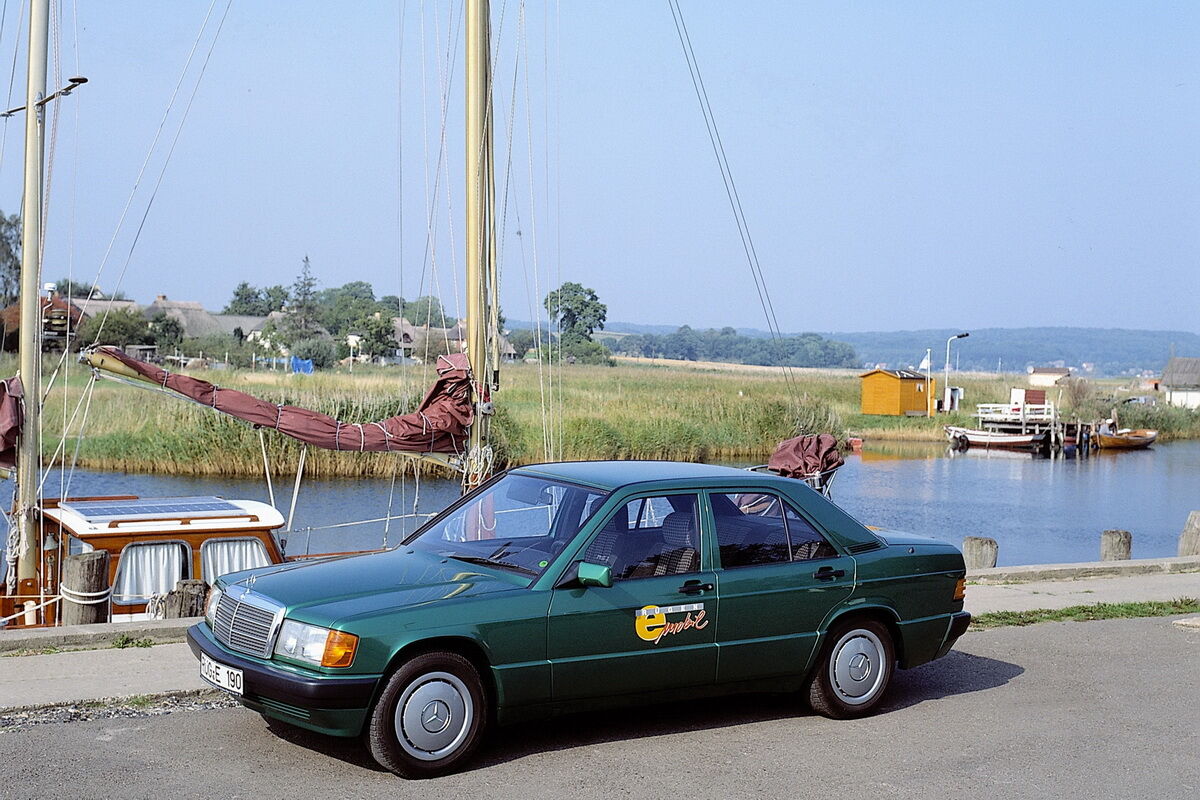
(221, 676)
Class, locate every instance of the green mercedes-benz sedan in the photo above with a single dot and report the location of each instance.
(565, 586)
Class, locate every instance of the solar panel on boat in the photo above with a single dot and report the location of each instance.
(102, 510)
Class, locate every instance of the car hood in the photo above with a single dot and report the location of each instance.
(326, 591)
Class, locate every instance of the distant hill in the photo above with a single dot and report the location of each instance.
(1111, 351)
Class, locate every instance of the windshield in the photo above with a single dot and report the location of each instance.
(519, 523)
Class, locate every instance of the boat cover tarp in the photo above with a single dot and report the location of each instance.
(439, 425)
(12, 415)
(805, 456)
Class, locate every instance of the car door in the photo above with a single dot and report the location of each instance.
(655, 627)
(778, 578)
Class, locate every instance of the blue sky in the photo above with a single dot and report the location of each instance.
(901, 166)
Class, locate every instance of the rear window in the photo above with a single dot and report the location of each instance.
(757, 527)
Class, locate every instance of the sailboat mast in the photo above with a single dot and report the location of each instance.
(29, 457)
(480, 248)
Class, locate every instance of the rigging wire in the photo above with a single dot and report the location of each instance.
(731, 190)
(523, 46)
(12, 78)
(153, 146)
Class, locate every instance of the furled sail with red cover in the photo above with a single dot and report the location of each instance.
(439, 425)
(806, 456)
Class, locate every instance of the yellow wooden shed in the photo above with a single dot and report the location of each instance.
(897, 393)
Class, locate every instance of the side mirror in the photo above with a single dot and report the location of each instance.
(594, 575)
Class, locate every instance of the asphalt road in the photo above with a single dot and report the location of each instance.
(1059, 710)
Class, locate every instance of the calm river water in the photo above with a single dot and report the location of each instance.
(1039, 510)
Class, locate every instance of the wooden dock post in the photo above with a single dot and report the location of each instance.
(85, 577)
(980, 552)
(1189, 540)
(1116, 545)
(185, 600)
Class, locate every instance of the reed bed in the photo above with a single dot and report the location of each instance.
(590, 412)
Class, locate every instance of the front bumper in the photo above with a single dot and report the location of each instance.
(959, 622)
(327, 704)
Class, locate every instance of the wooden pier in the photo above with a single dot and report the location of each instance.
(1028, 418)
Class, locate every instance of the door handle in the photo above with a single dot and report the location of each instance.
(695, 587)
(828, 573)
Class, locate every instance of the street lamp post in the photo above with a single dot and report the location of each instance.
(946, 386)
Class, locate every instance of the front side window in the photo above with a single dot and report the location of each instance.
(150, 568)
(760, 528)
(518, 523)
(648, 537)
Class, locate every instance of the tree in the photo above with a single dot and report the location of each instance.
(254, 302)
(246, 300)
(345, 305)
(525, 340)
(377, 335)
(578, 310)
(320, 351)
(10, 258)
(274, 299)
(427, 310)
(167, 331)
(303, 310)
(120, 328)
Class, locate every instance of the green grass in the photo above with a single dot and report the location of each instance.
(999, 619)
(124, 640)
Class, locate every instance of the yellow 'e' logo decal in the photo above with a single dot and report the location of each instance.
(649, 625)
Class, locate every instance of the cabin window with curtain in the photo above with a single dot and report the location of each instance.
(221, 556)
(148, 569)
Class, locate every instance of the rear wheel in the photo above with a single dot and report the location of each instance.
(430, 717)
(854, 670)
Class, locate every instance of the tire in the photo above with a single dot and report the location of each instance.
(430, 717)
(853, 671)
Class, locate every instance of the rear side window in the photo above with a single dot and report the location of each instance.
(760, 528)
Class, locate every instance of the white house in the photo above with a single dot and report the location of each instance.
(1181, 382)
(1047, 376)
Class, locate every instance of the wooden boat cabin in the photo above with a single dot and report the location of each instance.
(155, 542)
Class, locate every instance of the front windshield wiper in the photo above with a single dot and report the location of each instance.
(491, 562)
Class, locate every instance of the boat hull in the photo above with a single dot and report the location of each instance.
(1131, 440)
(1008, 441)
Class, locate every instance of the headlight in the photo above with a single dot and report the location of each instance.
(314, 645)
(210, 608)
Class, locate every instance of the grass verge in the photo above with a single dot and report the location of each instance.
(1000, 619)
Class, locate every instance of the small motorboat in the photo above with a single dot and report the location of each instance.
(962, 438)
(1126, 439)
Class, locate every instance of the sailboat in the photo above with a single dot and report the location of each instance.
(154, 542)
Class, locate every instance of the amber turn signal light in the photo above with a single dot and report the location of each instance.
(339, 649)
(960, 590)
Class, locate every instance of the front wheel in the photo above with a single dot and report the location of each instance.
(430, 717)
(854, 670)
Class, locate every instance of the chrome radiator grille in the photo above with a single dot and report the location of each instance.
(247, 622)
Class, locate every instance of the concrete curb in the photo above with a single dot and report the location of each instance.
(1087, 569)
(158, 631)
(121, 700)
